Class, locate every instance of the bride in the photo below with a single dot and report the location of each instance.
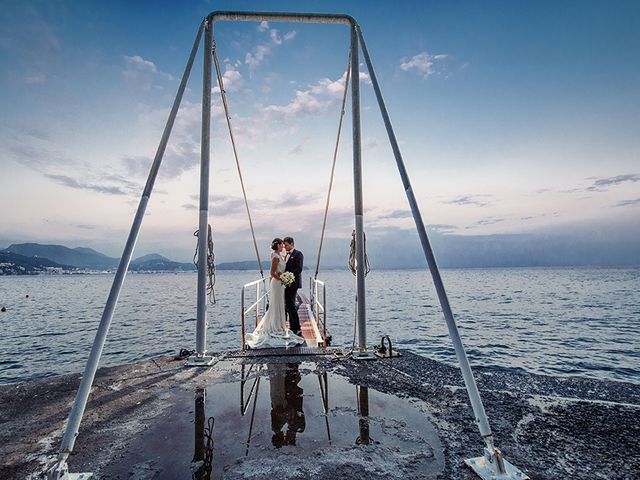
(272, 331)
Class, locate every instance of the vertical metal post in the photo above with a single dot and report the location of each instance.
(357, 187)
(201, 329)
(257, 300)
(80, 402)
(244, 344)
(324, 313)
(492, 454)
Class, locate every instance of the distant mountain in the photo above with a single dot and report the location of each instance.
(77, 257)
(14, 264)
(36, 258)
(151, 256)
(157, 263)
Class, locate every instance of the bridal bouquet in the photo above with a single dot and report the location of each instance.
(287, 278)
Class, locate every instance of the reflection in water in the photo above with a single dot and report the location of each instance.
(287, 415)
(324, 392)
(363, 412)
(295, 417)
(203, 442)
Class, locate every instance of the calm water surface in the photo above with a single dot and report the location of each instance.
(582, 321)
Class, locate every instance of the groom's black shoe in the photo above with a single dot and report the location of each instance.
(298, 332)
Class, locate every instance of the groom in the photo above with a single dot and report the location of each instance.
(294, 265)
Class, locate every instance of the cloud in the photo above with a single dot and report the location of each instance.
(297, 150)
(468, 200)
(628, 203)
(397, 214)
(183, 150)
(490, 221)
(260, 52)
(23, 132)
(257, 56)
(38, 157)
(442, 228)
(275, 36)
(139, 64)
(31, 42)
(220, 205)
(231, 79)
(33, 150)
(223, 205)
(142, 72)
(600, 183)
(73, 183)
(317, 98)
(423, 63)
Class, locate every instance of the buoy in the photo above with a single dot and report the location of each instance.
(26, 296)
(3, 309)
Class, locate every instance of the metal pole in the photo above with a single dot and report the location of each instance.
(357, 185)
(469, 381)
(244, 346)
(324, 314)
(80, 403)
(201, 327)
(281, 17)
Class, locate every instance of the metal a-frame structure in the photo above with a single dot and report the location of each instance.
(490, 466)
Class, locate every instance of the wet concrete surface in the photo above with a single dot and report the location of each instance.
(406, 417)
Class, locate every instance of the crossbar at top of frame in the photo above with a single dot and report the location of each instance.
(290, 17)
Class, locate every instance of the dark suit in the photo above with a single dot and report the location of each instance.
(294, 265)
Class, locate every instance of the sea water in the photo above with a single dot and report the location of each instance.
(554, 321)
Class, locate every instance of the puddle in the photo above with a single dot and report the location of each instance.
(283, 421)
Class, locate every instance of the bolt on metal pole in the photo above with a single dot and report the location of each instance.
(357, 187)
(465, 368)
(80, 403)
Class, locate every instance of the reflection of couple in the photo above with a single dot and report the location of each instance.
(286, 405)
(272, 330)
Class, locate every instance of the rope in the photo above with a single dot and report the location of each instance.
(333, 165)
(211, 265)
(235, 151)
(352, 255)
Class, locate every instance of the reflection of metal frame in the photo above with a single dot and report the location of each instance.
(244, 406)
(362, 394)
(253, 414)
(324, 392)
(203, 442)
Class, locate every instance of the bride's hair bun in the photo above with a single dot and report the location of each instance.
(274, 244)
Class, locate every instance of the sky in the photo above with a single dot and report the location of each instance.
(519, 124)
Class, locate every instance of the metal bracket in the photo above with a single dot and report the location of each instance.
(60, 471)
(200, 361)
(363, 354)
(493, 466)
(386, 352)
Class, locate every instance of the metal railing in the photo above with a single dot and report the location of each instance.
(319, 308)
(260, 304)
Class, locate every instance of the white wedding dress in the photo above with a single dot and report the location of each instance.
(271, 331)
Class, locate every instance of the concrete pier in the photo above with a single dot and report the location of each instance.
(416, 422)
